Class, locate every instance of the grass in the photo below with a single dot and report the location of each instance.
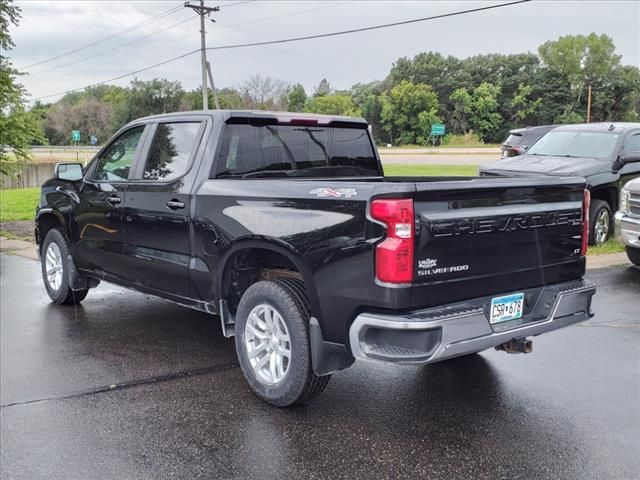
(430, 170)
(610, 246)
(18, 204)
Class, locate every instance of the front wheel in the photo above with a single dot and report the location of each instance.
(634, 255)
(272, 343)
(55, 270)
(600, 225)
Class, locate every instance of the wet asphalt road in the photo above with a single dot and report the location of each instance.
(127, 386)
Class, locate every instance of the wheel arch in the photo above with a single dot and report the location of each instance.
(608, 194)
(264, 250)
(46, 219)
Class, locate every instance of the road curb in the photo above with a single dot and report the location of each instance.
(21, 248)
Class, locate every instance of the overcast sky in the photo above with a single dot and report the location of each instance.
(53, 28)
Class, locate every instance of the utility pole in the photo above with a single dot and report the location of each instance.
(203, 11)
(589, 106)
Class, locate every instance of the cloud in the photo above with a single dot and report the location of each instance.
(51, 28)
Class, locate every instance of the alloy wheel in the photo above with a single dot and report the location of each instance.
(268, 344)
(602, 226)
(53, 264)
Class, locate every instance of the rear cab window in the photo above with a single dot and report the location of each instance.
(514, 139)
(295, 150)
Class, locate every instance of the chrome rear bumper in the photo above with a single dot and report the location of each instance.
(436, 334)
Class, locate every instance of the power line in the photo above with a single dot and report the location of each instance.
(296, 39)
(365, 29)
(109, 37)
(93, 56)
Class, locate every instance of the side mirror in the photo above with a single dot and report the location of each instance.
(68, 172)
(630, 157)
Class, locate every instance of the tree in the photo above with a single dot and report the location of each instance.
(297, 98)
(367, 98)
(522, 104)
(264, 93)
(333, 104)
(148, 98)
(485, 118)
(323, 88)
(401, 108)
(19, 128)
(462, 109)
(478, 111)
(582, 60)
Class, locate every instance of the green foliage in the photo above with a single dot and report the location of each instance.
(478, 110)
(19, 128)
(367, 98)
(18, 204)
(148, 98)
(485, 118)
(582, 60)
(401, 112)
(522, 105)
(297, 98)
(468, 139)
(333, 104)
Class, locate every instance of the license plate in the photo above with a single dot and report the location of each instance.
(506, 308)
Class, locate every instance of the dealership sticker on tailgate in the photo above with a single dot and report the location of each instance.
(506, 308)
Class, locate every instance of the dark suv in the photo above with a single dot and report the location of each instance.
(520, 139)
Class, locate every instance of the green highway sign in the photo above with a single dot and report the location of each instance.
(75, 135)
(437, 129)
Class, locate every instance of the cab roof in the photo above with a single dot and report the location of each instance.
(263, 115)
(616, 127)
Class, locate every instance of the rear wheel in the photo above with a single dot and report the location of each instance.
(272, 343)
(634, 255)
(55, 274)
(600, 225)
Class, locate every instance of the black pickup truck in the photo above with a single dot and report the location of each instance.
(284, 226)
(607, 155)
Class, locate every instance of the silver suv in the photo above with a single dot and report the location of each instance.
(628, 220)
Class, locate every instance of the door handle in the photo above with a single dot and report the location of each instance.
(175, 204)
(114, 200)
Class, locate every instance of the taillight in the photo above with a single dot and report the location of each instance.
(586, 202)
(394, 255)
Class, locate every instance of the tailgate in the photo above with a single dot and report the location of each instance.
(486, 236)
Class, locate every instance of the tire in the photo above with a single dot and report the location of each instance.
(280, 382)
(599, 212)
(634, 255)
(55, 253)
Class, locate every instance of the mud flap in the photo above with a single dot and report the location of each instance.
(326, 357)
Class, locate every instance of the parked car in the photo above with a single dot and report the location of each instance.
(628, 219)
(603, 153)
(520, 139)
(284, 226)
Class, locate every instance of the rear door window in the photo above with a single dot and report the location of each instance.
(171, 151)
(304, 151)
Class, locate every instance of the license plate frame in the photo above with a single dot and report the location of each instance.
(506, 308)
